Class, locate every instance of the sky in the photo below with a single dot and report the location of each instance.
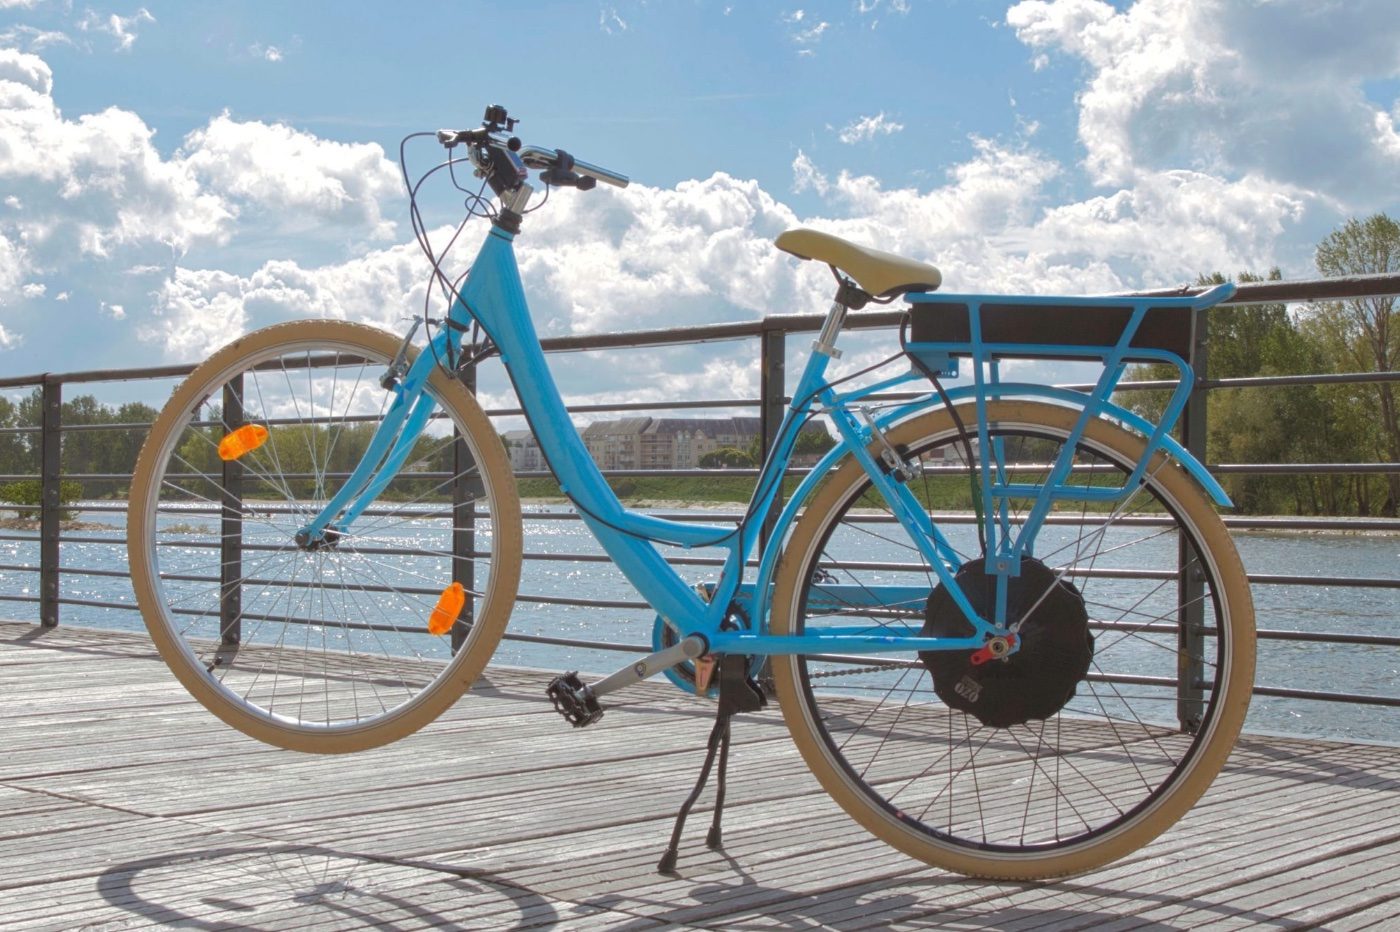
(174, 174)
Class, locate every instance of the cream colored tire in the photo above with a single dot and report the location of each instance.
(325, 650)
(1047, 797)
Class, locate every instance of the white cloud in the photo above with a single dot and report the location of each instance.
(806, 175)
(610, 21)
(266, 52)
(11, 273)
(199, 310)
(90, 186)
(646, 257)
(91, 199)
(28, 72)
(33, 289)
(120, 28)
(803, 31)
(1234, 88)
(33, 39)
(702, 252)
(871, 8)
(605, 260)
(96, 185)
(868, 127)
(12, 266)
(303, 183)
(993, 226)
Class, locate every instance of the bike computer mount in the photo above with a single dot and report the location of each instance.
(497, 120)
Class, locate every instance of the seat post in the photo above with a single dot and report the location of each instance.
(849, 297)
(826, 340)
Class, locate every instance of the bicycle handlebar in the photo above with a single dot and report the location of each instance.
(539, 157)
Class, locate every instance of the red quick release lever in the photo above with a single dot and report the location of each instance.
(994, 649)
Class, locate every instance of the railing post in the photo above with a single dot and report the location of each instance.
(1191, 614)
(465, 491)
(50, 497)
(231, 525)
(772, 400)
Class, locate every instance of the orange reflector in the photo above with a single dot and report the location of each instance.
(244, 440)
(449, 606)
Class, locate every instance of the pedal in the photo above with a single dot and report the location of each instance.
(574, 700)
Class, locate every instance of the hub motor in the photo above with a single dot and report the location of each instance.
(1036, 681)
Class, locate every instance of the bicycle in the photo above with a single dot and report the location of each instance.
(978, 634)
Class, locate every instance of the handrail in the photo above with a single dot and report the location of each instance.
(771, 331)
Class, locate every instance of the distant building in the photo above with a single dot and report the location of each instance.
(649, 443)
(678, 443)
(617, 444)
(524, 451)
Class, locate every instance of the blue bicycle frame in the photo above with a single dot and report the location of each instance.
(493, 298)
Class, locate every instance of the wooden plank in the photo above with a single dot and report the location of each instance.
(123, 802)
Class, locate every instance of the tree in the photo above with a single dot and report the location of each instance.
(813, 440)
(15, 458)
(726, 458)
(1256, 425)
(1365, 331)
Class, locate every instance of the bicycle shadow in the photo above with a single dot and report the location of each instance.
(939, 901)
(1288, 765)
(239, 887)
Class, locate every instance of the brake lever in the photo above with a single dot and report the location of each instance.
(561, 174)
(451, 137)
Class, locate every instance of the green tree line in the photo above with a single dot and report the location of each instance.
(110, 451)
(1350, 423)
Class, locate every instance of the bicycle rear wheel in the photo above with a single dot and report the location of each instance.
(952, 762)
(323, 649)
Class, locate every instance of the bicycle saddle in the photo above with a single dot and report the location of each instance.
(879, 273)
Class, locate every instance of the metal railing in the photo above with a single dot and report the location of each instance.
(771, 333)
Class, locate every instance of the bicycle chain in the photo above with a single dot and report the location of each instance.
(903, 665)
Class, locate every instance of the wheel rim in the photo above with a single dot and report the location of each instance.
(331, 643)
(942, 785)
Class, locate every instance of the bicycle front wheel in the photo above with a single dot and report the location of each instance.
(1122, 705)
(319, 648)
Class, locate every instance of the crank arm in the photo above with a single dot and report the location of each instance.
(578, 702)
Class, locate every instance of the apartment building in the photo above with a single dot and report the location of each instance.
(643, 442)
(524, 451)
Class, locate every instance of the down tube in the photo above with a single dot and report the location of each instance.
(495, 297)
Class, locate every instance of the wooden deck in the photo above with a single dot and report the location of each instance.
(124, 805)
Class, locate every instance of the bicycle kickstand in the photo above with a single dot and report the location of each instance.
(737, 693)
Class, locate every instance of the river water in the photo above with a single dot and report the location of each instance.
(1359, 669)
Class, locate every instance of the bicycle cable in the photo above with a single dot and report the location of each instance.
(974, 480)
(477, 206)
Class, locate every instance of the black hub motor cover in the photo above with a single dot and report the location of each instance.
(1037, 681)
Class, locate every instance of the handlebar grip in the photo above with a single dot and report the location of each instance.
(542, 157)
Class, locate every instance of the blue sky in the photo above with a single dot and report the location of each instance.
(172, 174)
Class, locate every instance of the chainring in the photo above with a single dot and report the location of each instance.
(1039, 679)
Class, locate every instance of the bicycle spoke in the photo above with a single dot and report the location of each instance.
(321, 644)
(979, 762)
